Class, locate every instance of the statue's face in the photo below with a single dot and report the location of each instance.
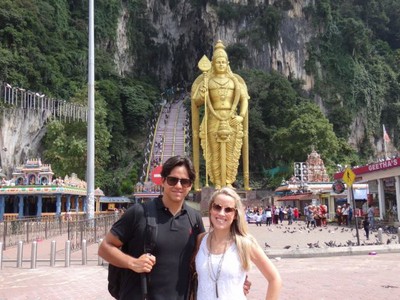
(220, 65)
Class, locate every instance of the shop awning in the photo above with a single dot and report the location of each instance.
(147, 195)
(360, 194)
(115, 200)
(307, 196)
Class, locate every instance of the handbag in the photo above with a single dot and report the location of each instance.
(193, 283)
(193, 277)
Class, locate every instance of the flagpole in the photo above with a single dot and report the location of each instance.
(90, 129)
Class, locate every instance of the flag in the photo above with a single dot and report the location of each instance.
(385, 135)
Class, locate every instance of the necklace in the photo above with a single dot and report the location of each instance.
(222, 89)
(220, 83)
(222, 92)
(215, 275)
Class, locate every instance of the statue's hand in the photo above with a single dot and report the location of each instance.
(203, 90)
(236, 120)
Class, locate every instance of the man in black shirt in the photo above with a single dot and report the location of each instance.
(168, 265)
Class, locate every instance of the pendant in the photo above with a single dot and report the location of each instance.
(216, 289)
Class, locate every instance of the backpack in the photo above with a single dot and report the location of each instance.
(115, 273)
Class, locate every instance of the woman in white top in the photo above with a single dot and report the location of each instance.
(226, 252)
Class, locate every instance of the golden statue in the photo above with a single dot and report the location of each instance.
(224, 129)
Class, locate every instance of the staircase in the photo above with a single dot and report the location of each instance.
(170, 134)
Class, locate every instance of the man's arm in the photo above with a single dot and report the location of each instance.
(110, 251)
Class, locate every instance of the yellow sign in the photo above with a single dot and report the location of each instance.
(349, 177)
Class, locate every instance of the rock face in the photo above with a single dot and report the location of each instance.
(122, 57)
(186, 30)
(21, 131)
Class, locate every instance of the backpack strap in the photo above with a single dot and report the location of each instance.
(150, 237)
(193, 220)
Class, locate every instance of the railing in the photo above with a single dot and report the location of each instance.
(20, 98)
(29, 230)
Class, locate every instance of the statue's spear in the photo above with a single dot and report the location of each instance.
(204, 66)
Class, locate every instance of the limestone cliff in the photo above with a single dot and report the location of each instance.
(21, 131)
(186, 30)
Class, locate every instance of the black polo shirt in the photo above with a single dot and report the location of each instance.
(174, 246)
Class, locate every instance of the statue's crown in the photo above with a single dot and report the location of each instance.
(219, 50)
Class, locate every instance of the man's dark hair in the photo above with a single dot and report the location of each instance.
(177, 161)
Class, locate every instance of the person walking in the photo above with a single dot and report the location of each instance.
(310, 217)
(281, 214)
(290, 215)
(295, 213)
(268, 215)
(324, 211)
(258, 218)
(226, 251)
(366, 226)
(305, 212)
(339, 215)
(371, 215)
(345, 214)
(350, 215)
(168, 266)
(276, 215)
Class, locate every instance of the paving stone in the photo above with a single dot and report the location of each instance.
(342, 276)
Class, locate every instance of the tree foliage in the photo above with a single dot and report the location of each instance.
(65, 144)
(354, 59)
(285, 126)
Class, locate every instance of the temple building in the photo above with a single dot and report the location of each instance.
(316, 168)
(311, 184)
(33, 172)
(33, 192)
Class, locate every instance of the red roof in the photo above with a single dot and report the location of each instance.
(307, 196)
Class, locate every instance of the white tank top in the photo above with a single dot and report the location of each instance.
(231, 279)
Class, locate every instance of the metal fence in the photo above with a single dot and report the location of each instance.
(21, 98)
(29, 230)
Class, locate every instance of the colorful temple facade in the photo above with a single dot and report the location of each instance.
(33, 192)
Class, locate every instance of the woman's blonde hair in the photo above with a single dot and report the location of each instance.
(239, 232)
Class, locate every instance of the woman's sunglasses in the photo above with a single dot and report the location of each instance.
(218, 208)
(172, 181)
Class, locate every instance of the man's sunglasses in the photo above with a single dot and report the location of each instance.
(218, 208)
(172, 181)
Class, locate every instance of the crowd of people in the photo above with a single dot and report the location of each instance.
(314, 215)
(272, 214)
(344, 214)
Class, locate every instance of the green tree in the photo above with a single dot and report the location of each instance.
(66, 143)
(308, 129)
(138, 104)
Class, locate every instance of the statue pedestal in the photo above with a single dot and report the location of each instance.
(203, 197)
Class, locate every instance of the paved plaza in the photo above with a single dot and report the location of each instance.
(316, 273)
